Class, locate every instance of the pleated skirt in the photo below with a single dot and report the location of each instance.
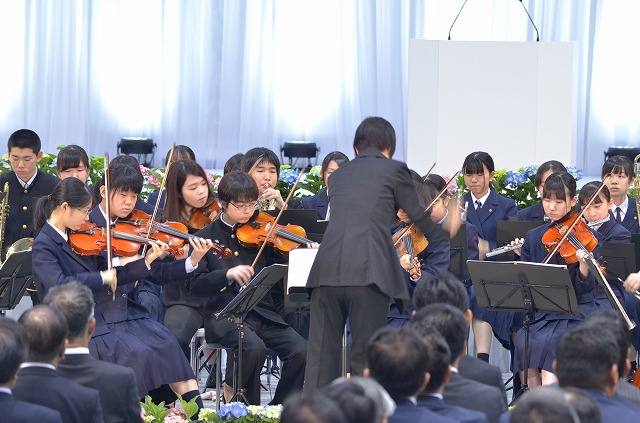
(543, 335)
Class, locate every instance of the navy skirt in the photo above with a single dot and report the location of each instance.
(543, 335)
(148, 348)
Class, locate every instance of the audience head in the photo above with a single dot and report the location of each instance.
(544, 405)
(377, 133)
(233, 163)
(448, 321)
(73, 161)
(398, 360)
(585, 405)
(76, 303)
(586, 358)
(13, 350)
(439, 356)
(314, 408)
(46, 330)
(611, 321)
(442, 288)
(362, 399)
(24, 153)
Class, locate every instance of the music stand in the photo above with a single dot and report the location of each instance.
(508, 230)
(242, 304)
(523, 286)
(458, 254)
(16, 274)
(619, 259)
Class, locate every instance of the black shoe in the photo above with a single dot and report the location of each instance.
(211, 379)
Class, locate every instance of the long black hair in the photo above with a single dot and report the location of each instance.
(70, 190)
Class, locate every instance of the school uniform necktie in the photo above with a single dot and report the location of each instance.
(478, 204)
(618, 215)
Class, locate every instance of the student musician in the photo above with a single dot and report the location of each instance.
(124, 332)
(221, 280)
(624, 207)
(559, 202)
(536, 212)
(320, 201)
(233, 163)
(73, 161)
(179, 152)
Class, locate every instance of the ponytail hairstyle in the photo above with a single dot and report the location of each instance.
(70, 190)
(176, 177)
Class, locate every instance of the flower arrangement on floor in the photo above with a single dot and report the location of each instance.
(518, 185)
(233, 412)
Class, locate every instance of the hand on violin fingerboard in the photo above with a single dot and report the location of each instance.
(155, 251)
(241, 274)
(199, 247)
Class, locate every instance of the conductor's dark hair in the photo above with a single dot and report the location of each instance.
(618, 165)
(475, 162)
(447, 320)
(587, 191)
(337, 156)
(583, 348)
(260, 155)
(557, 185)
(176, 177)
(551, 165)
(233, 163)
(544, 405)
(398, 360)
(439, 354)
(356, 406)
(377, 133)
(237, 186)
(311, 408)
(611, 321)
(24, 138)
(13, 348)
(75, 301)
(585, 405)
(180, 152)
(441, 288)
(72, 156)
(46, 329)
(70, 190)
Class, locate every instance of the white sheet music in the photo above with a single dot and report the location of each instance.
(300, 262)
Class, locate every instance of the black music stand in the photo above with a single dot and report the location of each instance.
(458, 254)
(619, 259)
(242, 304)
(523, 286)
(16, 274)
(508, 230)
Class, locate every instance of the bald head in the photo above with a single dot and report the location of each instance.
(46, 330)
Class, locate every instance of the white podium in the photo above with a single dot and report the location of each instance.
(514, 100)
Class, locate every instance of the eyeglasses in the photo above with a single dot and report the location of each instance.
(245, 207)
(85, 212)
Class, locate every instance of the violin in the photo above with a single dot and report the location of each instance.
(412, 242)
(174, 234)
(90, 240)
(284, 238)
(203, 216)
(580, 237)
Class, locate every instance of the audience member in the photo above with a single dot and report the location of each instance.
(451, 324)
(586, 407)
(544, 405)
(398, 359)
(38, 381)
(119, 397)
(13, 352)
(361, 399)
(313, 408)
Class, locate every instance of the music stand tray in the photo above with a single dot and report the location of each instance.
(524, 286)
(619, 259)
(16, 273)
(243, 303)
(458, 254)
(508, 230)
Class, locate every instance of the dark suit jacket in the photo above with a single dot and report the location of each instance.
(534, 212)
(43, 386)
(474, 395)
(614, 409)
(473, 368)
(630, 221)
(356, 248)
(116, 384)
(459, 414)
(16, 411)
(628, 392)
(495, 208)
(408, 412)
(318, 202)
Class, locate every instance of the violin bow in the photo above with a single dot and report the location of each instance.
(442, 191)
(157, 206)
(426, 176)
(107, 211)
(580, 214)
(275, 222)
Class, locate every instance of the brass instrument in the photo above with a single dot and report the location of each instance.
(4, 213)
(264, 203)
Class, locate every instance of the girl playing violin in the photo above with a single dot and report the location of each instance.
(559, 202)
(320, 201)
(221, 280)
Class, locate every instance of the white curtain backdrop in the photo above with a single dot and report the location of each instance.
(226, 75)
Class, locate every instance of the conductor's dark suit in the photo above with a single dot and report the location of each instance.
(43, 386)
(116, 384)
(16, 411)
(356, 271)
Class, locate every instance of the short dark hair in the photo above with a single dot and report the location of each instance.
(125, 176)
(335, 156)
(237, 186)
(611, 321)
(585, 405)
(24, 138)
(587, 191)
(46, 330)
(475, 162)
(180, 152)
(13, 348)
(557, 185)
(618, 165)
(447, 320)
(72, 156)
(398, 360)
(356, 406)
(543, 405)
(70, 190)
(311, 408)
(260, 155)
(442, 288)
(375, 132)
(551, 165)
(581, 348)
(76, 302)
(233, 163)
(439, 354)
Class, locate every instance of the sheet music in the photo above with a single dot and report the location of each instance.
(300, 262)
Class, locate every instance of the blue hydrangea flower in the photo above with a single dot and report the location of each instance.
(233, 410)
(521, 178)
(289, 176)
(510, 178)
